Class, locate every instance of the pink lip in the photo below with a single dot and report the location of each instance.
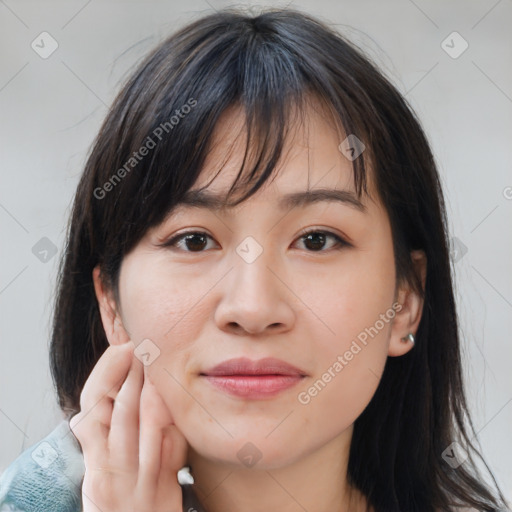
(253, 379)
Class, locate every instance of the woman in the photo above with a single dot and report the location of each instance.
(304, 353)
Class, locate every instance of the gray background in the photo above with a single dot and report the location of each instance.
(50, 110)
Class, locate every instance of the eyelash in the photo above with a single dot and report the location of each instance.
(340, 242)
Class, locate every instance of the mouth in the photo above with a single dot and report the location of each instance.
(248, 379)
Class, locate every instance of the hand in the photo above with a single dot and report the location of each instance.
(132, 449)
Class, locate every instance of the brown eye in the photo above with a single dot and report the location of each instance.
(193, 241)
(315, 241)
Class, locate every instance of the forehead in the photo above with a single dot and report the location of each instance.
(310, 161)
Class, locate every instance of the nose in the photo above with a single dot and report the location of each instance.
(255, 298)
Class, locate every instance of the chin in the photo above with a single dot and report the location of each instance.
(250, 452)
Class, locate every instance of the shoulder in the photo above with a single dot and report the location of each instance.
(46, 476)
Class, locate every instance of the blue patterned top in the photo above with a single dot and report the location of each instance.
(48, 477)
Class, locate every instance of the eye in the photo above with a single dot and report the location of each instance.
(315, 240)
(194, 241)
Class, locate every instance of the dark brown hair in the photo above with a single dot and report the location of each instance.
(269, 65)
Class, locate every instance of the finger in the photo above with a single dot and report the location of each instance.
(107, 375)
(172, 452)
(161, 454)
(124, 428)
(91, 435)
(174, 448)
(91, 425)
(153, 417)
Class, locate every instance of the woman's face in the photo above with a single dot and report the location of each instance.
(256, 287)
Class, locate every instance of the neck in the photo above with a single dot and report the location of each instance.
(315, 481)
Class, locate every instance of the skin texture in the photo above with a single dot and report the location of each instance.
(295, 303)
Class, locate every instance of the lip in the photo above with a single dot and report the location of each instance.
(245, 366)
(260, 379)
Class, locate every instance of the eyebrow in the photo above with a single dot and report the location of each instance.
(212, 201)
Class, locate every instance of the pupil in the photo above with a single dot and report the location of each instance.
(190, 238)
(317, 244)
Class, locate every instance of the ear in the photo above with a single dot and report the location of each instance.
(110, 316)
(408, 317)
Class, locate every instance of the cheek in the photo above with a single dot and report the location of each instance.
(163, 307)
(349, 301)
(159, 302)
(331, 403)
(354, 308)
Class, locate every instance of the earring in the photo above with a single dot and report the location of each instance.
(409, 337)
